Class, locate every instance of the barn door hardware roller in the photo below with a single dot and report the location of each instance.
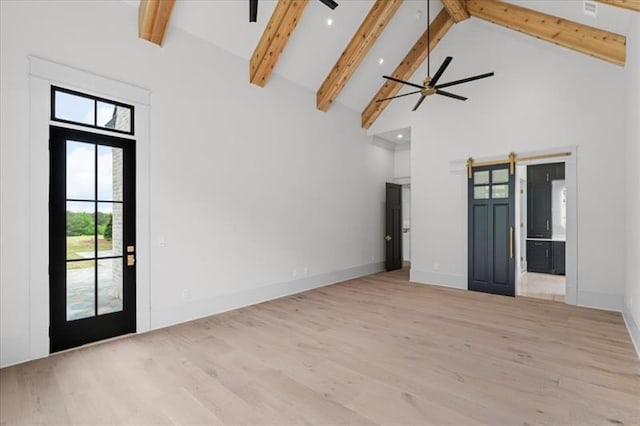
(511, 161)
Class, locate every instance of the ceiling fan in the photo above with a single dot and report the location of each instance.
(429, 86)
(253, 8)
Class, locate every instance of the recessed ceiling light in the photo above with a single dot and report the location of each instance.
(329, 22)
(400, 135)
(418, 14)
(381, 61)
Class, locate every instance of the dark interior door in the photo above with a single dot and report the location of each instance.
(491, 263)
(393, 236)
(91, 237)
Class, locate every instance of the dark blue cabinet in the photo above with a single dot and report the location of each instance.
(558, 252)
(539, 256)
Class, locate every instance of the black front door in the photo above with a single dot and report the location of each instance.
(393, 236)
(491, 266)
(91, 237)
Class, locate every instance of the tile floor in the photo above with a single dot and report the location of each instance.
(542, 286)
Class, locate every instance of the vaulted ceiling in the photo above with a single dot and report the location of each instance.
(341, 54)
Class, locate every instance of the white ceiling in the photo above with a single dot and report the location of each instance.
(401, 138)
(314, 46)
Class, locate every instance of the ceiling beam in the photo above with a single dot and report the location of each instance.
(411, 62)
(372, 26)
(592, 41)
(625, 4)
(153, 18)
(457, 9)
(283, 21)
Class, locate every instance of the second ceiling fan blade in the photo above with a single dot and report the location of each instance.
(451, 95)
(440, 71)
(399, 96)
(419, 102)
(330, 4)
(403, 82)
(253, 10)
(464, 80)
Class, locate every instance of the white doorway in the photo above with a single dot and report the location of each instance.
(541, 269)
(399, 142)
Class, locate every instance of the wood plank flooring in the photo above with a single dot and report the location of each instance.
(374, 350)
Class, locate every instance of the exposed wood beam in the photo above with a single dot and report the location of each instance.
(592, 41)
(153, 18)
(375, 22)
(411, 62)
(457, 9)
(283, 21)
(625, 4)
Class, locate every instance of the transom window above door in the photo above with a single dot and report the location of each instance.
(488, 184)
(69, 106)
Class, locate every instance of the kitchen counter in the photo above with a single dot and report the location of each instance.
(559, 238)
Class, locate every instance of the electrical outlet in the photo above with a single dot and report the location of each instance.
(436, 266)
(305, 270)
(186, 293)
(294, 273)
(373, 258)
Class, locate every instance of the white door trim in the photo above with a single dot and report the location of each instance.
(43, 74)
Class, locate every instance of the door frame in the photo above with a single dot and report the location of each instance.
(571, 239)
(42, 75)
(459, 167)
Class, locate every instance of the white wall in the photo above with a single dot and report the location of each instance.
(402, 162)
(254, 193)
(542, 96)
(632, 190)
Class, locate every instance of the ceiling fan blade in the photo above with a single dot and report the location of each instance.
(402, 81)
(440, 71)
(451, 95)
(419, 102)
(399, 96)
(329, 3)
(253, 10)
(464, 80)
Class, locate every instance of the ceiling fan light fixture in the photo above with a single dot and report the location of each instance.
(430, 84)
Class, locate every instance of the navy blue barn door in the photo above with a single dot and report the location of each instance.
(491, 249)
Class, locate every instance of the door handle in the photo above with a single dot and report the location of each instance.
(511, 242)
(547, 224)
(388, 238)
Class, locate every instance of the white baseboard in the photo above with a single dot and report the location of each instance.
(436, 278)
(606, 301)
(634, 330)
(175, 314)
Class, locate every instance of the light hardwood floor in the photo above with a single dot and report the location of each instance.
(372, 350)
